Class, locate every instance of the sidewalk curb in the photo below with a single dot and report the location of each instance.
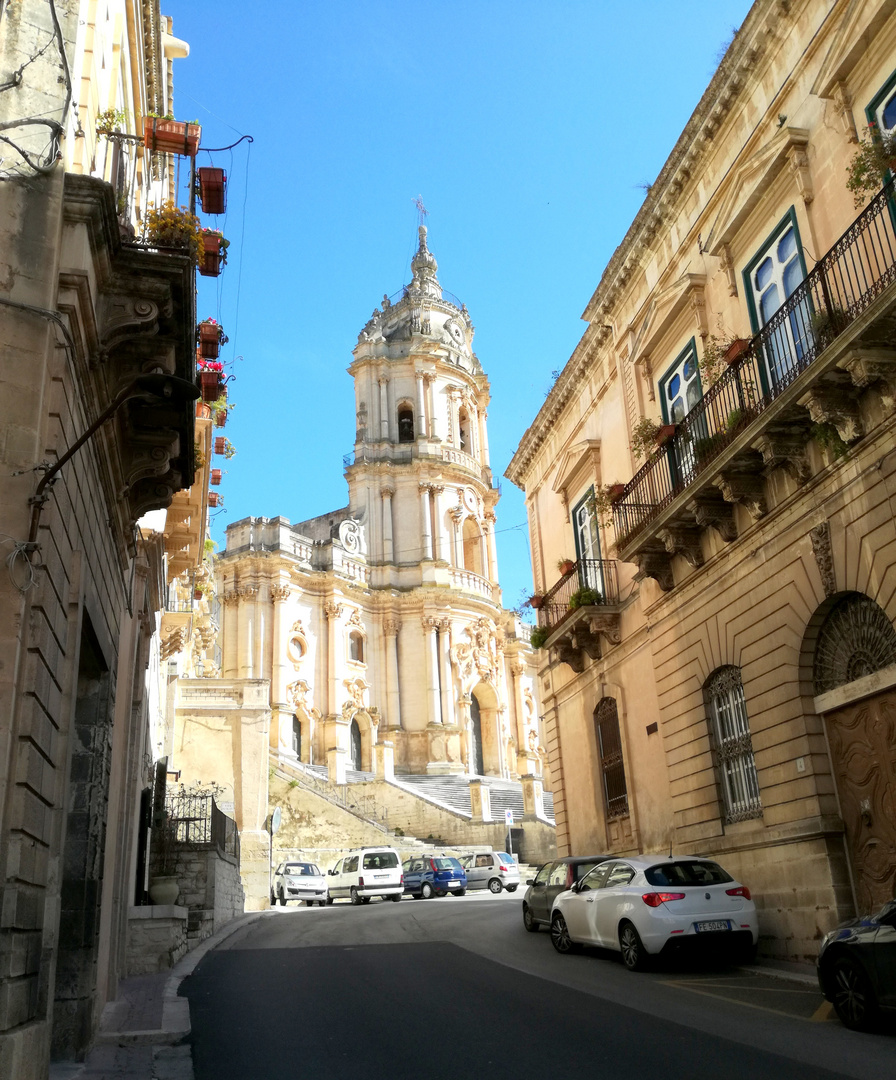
(781, 973)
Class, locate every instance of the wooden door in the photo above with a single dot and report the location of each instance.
(862, 738)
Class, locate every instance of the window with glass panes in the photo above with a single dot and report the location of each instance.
(772, 278)
(588, 543)
(882, 109)
(730, 727)
(612, 765)
(680, 388)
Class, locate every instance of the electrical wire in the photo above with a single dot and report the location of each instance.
(20, 554)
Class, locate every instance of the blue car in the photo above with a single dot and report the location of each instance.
(433, 875)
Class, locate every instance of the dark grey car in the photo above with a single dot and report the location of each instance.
(857, 969)
(552, 879)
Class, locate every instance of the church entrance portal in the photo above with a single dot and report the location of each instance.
(355, 751)
(477, 763)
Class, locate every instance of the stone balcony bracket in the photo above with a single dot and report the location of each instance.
(875, 369)
(582, 634)
(827, 405)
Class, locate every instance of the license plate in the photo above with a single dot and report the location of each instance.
(715, 924)
(453, 884)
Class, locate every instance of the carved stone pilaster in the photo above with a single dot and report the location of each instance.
(843, 102)
(232, 598)
(280, 592)
(744, 488)
(799, 165)
(391, 626)
(873, 367)
(683, 540)
(786, 451)
(820, 537)
(656, 565)
(729, 268)
(332, 610)
(829, 406)
(715, 514)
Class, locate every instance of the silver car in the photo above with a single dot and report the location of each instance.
(492, 870)
(299, 881)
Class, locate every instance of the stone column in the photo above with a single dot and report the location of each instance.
(421, 407)
(337, 763)
(457, 516)
(483, 434)
(447, 698)
(491, 560)
(386, 496)
(434, 704)
(430, 405)
(480, 801)
(332, 610)
(438, 539)
(383, 381)
(473, 448)
(247, 628)
(281, 721)
(384, 761)
(391, 628)
(425, 521)
(230, 658)
(533, 796)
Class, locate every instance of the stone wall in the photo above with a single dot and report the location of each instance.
(210, 888)
(157, 938)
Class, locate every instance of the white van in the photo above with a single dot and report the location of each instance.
(367, 872)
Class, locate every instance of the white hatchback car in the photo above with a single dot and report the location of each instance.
(647, 904)
(299, 881)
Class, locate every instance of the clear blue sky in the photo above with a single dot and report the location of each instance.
(526, 126)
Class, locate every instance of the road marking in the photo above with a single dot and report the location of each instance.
(824, 1012)
(735, 1001)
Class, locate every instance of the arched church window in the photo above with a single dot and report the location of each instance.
(733, 746)
(356, 647)
(405, 424)
(856, 639)
(463, 430)
(297, 737)
(472, 539)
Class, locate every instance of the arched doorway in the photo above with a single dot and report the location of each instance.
(854, 638)
(355, 746)
(477, 762)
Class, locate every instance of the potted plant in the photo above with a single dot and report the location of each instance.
(210, 379)
(584, 597)
(214, 499)
(214, 253)
(644, 437)
(212, 189)
(664, 433)
(109, 121)
(210, 335)
(172, 226)
(170, 136)
(828, 323)
(215, 478)
(566, 566)
(735, 349)
(539, 636)
(224, 447)
(164, 862)
(220, 408)
(875, 157)
(536, 601)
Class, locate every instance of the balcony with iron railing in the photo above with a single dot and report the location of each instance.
(579, 610)
(802, 374)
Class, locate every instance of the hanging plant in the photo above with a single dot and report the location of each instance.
(644, 437)
(171, 226)
(110, 121)
(539, 636)
(875, 157)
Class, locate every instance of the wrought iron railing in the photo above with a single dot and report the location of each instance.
(198, 822)
(838, 289)
(591, 582)
(447, 297)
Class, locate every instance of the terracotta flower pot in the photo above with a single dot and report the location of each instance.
(210, 385)
(665, 433)
(536, 601)
(213, 498)
(615, 492)
(212, 254)
(215, 477)
(209, 340)
(220, 443)
(212, 190)
(221, 418)
(736, 350)
(171, 136)
(566, 567)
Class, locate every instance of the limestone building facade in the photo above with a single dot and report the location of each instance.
(718, 668)
(379, 626)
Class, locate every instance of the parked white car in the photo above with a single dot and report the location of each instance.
(646, 905)
(493, 870)
(299, 881)
(366, 873)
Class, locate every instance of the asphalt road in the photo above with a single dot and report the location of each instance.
(455, 988)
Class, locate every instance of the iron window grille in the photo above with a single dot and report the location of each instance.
(730, 728)
(612, 765)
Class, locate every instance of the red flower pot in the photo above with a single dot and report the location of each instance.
(664, 434)
(219, 444)
(215, 477)
(615, 492)
(209, 340)
(213, 498)
(212, 190)
(210, 385)
(212, 254)
(566, 567)
(220, 418)
(171, 136)
(536, 601)
(736, 350)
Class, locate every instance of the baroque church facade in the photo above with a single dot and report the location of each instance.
(379, 627)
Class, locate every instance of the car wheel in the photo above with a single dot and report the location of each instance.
(273, 900)
(512, 888)
(328, 901)
(353, 895)
(425, 890)
(560, 938)
(529, 920)
(853, 997)
(395, 897)
(321, 903)
(495, 886)
(634, 955)
(365, 899)
(282, 900)
(460, 892)
(309, 903)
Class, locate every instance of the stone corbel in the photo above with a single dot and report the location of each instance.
(647, 371)
(606, 623)
(873, 367)
(656, 565)
(748, 489)
(843, 102)
(122, 317)
(830, 406)
(730, 271)
(683, 540)
(715, 514)
(786, 451)
(799, 165)
(697, 298)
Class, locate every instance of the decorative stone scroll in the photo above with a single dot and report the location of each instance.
(820, 538)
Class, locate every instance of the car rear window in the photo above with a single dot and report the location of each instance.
(380, 860)
(687, 873)
(446, 864)
(505, 858)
